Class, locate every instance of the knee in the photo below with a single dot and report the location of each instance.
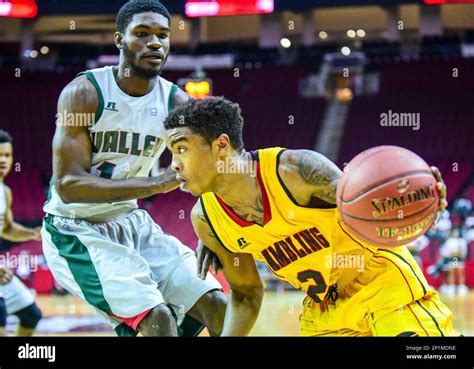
(159, 322)
(213, 308)
(217, 299)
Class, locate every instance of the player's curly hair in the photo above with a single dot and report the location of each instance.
(129, 9)
(210, 118)
(5, 137)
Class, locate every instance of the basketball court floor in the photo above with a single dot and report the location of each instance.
(68, 316)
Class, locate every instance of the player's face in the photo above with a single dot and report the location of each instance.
(193, 160)
(6, 159)
(146, 43)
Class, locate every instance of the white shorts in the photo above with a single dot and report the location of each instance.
(17, 296)
(125, 267)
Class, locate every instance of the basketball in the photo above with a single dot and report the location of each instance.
(387, 196)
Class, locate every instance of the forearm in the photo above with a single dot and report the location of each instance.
(242, 312)
(16, 232)
(88, 188)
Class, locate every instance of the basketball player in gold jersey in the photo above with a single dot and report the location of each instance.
(278, 206)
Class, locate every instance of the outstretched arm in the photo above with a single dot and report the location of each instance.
(308, 174)
(72, 153)
(13, 231)
(246, 289)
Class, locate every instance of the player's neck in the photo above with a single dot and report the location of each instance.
(132, 84)
(237, 183)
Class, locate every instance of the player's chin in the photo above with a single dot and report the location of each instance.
(148, 70)
(185, 187)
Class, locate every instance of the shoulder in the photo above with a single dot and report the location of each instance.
(309, 165)
(80, 94)
(197, 214)
(196, 211)
(180, 97)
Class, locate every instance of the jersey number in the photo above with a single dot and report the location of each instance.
(314, 289)
(106, 169)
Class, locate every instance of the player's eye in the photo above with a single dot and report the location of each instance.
(140, 34)
(163, 36)
(181, 149)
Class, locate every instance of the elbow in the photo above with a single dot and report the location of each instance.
(65, 189)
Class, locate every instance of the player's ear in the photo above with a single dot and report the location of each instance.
(222, 144)
(118, 40)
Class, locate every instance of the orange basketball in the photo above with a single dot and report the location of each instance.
(387, 196)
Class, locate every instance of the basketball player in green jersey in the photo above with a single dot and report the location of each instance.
(98, 244)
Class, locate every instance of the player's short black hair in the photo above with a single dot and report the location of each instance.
(129, 9)
(210, 118)
(5, 137)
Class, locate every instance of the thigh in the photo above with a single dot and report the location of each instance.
(99, 264)
(182, 289)
(17, 296)
(345, 317)
(427, 316)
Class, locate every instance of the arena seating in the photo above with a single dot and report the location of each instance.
(268, 97)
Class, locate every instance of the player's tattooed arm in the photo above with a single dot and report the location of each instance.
(13, 231)
(72, 155)
(246, 288)
(308, 174)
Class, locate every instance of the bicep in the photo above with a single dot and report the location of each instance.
(311, 172)
(72, 145)
(71, 152)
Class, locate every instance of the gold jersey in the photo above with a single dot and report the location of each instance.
(311, 248)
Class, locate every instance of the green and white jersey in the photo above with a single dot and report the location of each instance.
(128, 137)
(3, 206)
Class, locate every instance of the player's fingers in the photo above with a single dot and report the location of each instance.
(220, 267)
(199, 257)
(443, 204)
(437, 173)
(214, 265)
(205, 265)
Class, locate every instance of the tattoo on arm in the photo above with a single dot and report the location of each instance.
(317, 170)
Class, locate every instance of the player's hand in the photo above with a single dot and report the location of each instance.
(441, 186)
(166, 181)
(37, 234)
(206, 258)
(6, 276)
